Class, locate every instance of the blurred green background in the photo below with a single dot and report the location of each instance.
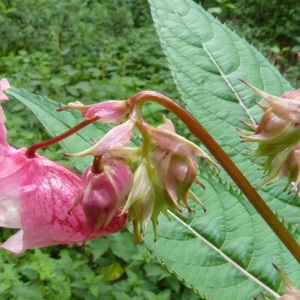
(98, 50)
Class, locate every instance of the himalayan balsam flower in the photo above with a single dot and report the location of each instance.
(278, 137)
(35, 196)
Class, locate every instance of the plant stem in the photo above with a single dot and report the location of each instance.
(33, 148)
(238, 177)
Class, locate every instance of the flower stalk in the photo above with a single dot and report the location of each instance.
(30, 153)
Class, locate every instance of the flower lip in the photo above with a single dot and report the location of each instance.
(43, 192)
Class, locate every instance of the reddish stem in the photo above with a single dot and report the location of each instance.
(97, 166)
(238, 177)
(33, 148)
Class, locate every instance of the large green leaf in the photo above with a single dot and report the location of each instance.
(226, 253)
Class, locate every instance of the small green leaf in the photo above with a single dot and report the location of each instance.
(112, 272)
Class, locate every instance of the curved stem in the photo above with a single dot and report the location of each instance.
(238, 177)
(97, 167)
(30, 153)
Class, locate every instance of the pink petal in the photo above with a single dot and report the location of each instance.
(46, 192)
(4, 84)
(292, 95)
(112, 111)
(168, 140)
(168, 125)
(117, 137)
(10, 212)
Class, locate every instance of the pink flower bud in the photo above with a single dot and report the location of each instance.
(177, 185)
(111, 111)
(286, 107)
(102, 193)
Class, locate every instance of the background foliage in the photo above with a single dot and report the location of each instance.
(91, 50)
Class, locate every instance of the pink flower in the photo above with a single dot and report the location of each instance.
(103, 192)
(112, 111)
(35, 196)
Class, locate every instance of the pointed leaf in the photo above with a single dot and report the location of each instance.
(229, 250)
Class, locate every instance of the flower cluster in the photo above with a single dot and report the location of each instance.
(278, 138)
(51, 204)
(163, 168)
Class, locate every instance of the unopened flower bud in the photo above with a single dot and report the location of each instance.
(112, 111)
(103, 192)
(183, 170)
(141, 200)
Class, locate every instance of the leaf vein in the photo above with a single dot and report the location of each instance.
(223, 255)
(228, 83)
